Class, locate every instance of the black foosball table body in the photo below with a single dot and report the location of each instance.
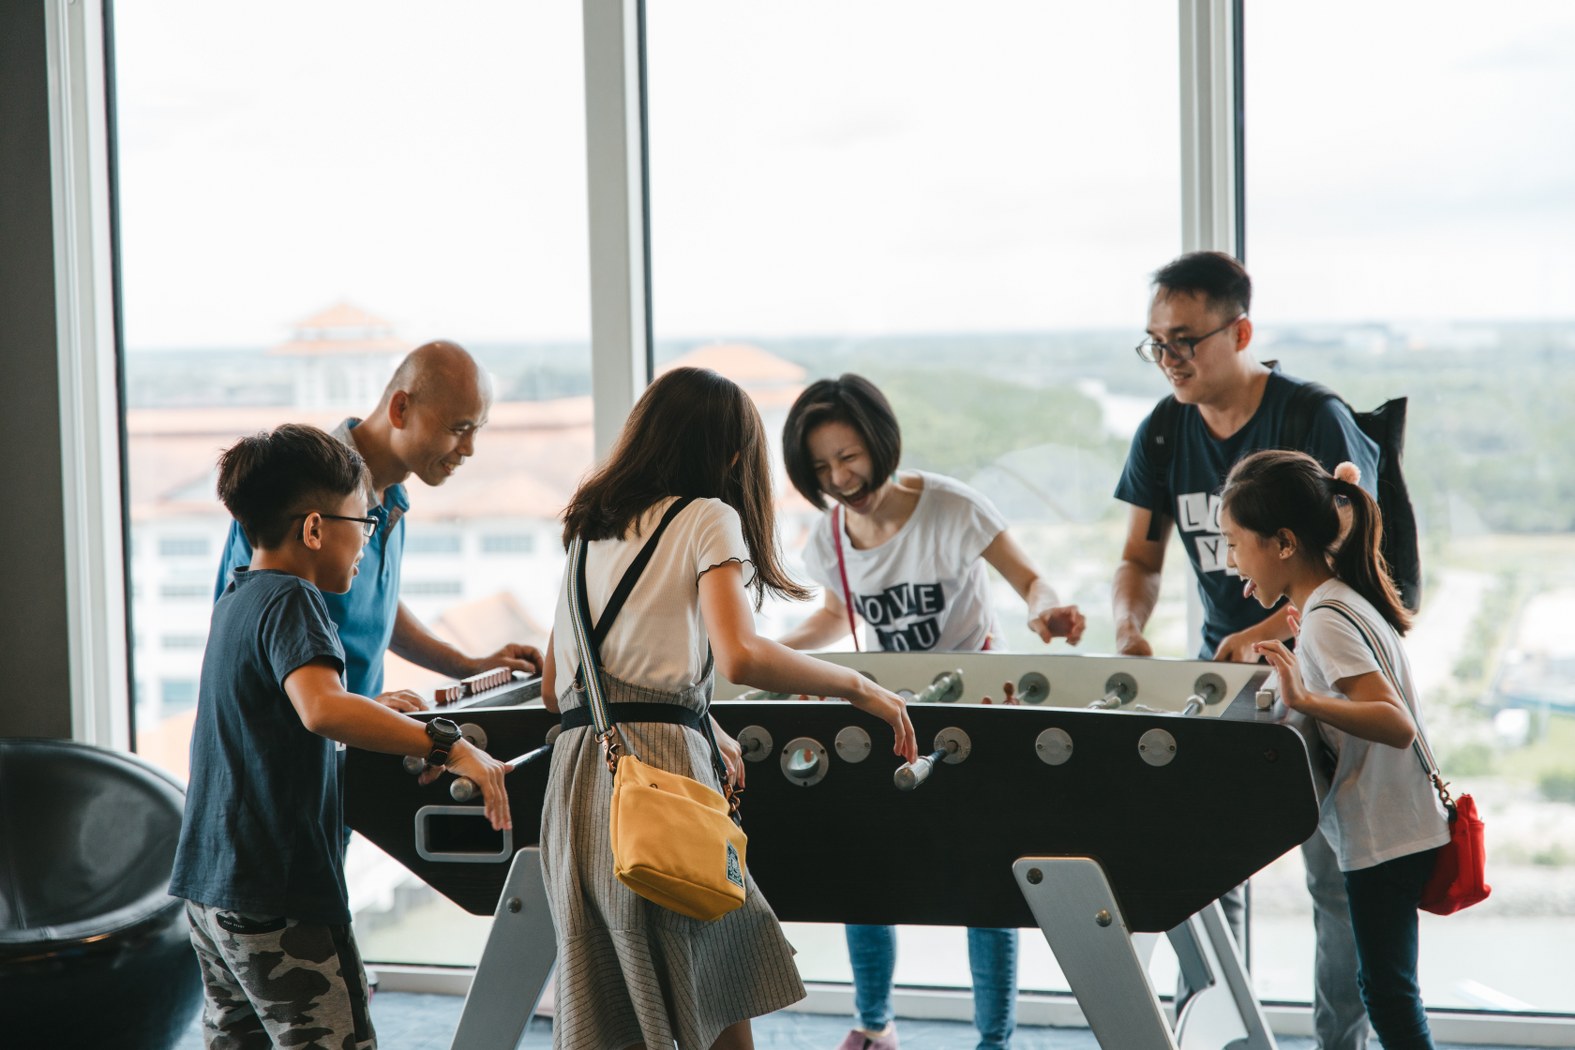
(1177, 808)
(1121, 797)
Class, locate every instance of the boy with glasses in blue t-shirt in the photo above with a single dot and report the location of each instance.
(259, 860)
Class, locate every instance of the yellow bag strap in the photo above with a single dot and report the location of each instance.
(588, 641)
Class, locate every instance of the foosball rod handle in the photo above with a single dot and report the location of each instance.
(464, 789)
(910, 775)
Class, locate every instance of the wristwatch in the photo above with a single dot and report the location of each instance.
(444, 735)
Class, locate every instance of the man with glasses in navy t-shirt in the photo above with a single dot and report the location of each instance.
(1228, 404)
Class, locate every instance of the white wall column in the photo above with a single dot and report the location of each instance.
(1208, 157)
(615, 172)
(89, 395)
(1208, 125)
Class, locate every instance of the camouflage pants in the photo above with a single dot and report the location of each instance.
(276, 982)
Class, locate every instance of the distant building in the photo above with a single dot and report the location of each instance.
(1537, 671)
(345, 358)
(484, 554)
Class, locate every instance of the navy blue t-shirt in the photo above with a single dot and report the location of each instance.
(365, 614)
(263, 829)
(1198, 469)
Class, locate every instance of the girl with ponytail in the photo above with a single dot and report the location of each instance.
(1350, 684)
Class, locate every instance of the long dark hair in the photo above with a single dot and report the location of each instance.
(692, 433)
(1278, 489)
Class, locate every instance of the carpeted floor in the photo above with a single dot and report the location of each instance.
(426, 1022)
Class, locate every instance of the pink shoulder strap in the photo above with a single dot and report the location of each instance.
(842, 570)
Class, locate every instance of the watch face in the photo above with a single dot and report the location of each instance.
(443, 730)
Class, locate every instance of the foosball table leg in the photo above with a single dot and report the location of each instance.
(1223, 1009)
(1077, 912)
(515, 964)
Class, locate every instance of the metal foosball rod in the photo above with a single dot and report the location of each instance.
(910, 775)
(952, 746)
(1208, 689)
(464, 789)
(1120, 689)
(761, 694)
(947, 687)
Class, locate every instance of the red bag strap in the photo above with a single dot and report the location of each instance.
(842, 571)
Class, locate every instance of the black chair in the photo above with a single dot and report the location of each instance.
(93, 950)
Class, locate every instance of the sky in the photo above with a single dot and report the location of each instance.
(823, 168)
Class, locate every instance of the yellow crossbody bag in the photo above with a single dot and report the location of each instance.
(674, 840)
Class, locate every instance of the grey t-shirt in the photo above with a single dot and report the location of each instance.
(1380, 804)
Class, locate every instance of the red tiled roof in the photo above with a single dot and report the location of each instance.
(749, 366)
(344, 315)
(343, 328)
(529, 458)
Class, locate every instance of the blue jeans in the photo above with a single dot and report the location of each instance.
(992, 956)
(1383, 917)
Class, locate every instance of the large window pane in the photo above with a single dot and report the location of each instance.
(962, 203)
(305, 195)
(1411, 229)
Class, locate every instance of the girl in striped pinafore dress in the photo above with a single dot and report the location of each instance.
(631, 973)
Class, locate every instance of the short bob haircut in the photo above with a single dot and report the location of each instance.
(849, 399)
(269, 479)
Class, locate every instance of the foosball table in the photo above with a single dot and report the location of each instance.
(1094, 798)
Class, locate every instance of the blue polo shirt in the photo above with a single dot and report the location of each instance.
(1198, 469)
(263, 827)
(365, 613)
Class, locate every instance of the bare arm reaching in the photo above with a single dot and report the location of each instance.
(746, 658)
(328, 710)
(825, 625)
(1371, 708)
(413, 641)
(1047, 617)
(1135, 590)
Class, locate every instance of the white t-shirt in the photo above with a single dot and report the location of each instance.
(925, 588)
(659, 639)
(1380, 804)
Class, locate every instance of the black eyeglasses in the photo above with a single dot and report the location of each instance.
(1182, 348)
(368, 525)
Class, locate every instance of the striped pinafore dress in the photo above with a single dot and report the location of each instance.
(630, 972)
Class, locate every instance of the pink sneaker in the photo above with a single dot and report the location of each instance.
(858, 1039)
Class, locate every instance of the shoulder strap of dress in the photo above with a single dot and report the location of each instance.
(580, 603)
(631, 575)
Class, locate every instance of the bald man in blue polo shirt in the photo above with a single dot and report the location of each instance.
(426, 425)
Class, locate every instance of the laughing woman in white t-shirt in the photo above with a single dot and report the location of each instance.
(907, 551)
(1280, 513)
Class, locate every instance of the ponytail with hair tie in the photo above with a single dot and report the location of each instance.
(1340, 489)
(1280, 488)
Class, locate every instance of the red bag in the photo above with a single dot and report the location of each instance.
(1460, 876)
